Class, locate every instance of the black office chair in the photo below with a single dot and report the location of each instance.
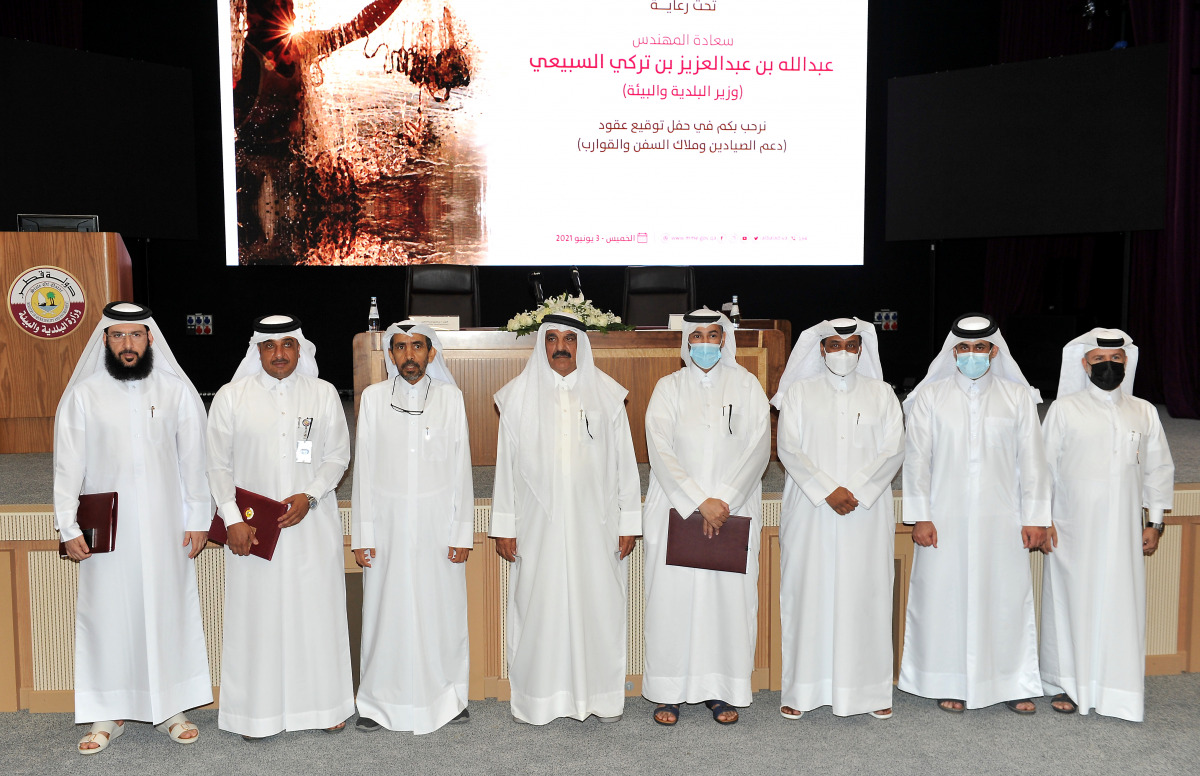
(444, 289)
(653, 293)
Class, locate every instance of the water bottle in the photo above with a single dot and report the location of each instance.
(735, 314)
(373, 316)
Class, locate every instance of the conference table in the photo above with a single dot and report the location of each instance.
(483, 360)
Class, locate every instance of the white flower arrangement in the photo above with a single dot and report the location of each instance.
(583, 309)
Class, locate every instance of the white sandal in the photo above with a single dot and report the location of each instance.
(790, 716)
(176, 726)
(109, 728)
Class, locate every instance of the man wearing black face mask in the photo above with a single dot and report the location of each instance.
(1109, 460)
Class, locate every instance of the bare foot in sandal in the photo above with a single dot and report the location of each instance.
(667, 713)
(179, 728)
(1063, 703)
(92, 742)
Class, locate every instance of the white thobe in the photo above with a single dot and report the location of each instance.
(837, 570)
(1109, 459)
(139, 641)
(708, 435)
(974, 465)
(413, 500)
(567, 610)
(285, 661)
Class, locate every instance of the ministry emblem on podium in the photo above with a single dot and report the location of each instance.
(46, 302)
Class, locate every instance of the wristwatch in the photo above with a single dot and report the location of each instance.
(312, 502)
(1160, 527)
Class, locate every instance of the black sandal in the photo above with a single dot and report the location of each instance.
(951, 709)
(1012, 706)
(671, 708)
(1062, 697)
(720, 707)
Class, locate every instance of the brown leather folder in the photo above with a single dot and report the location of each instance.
(97, 518)
(688, 546)
(260, 513)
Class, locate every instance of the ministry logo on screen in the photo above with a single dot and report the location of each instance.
(46, 302)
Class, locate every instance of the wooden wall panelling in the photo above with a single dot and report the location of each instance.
(770, 601)
(1189, 621)
(903, 559)
(43, 682)
(9, 676)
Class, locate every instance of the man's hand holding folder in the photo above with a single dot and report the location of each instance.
(96, 516)
(240, 538)
(715, 512)
(258, 531)
(690, 543)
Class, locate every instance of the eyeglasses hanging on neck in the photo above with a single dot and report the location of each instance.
(424, 401)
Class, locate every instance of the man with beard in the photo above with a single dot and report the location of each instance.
(133, 423)
(278, 431)
(566, 512)
(412, 530)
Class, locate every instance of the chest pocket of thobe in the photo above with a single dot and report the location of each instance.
(590, 428)
(435, 444)
(160, 426)
(865, 433)
(999, 433)
(1132, 444)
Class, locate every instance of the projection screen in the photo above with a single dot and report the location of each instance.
(537, 132)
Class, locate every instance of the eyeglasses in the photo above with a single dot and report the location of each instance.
(120, 336)
(423, 401)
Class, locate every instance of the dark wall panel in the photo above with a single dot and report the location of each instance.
(91, 134)
(1055, 146)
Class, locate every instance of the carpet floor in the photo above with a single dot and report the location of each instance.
(919, 739)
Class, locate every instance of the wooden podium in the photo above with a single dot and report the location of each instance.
(57, 284)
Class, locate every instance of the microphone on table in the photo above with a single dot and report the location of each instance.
(535, 287)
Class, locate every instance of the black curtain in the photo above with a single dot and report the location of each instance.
(1164, 269)
(1165, 283)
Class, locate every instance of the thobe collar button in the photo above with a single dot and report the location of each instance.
(1112, 397)
(841, 383)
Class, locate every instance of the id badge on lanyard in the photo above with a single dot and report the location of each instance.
(304, 445)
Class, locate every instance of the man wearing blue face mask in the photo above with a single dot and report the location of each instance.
(708, 435)
(977, 493)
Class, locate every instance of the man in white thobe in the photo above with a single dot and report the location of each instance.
(977, 493)
(566, 512)
(279, 431)
(130, 421)
(841, 440)
(708, 435)
(1109, 460)
(412, 530)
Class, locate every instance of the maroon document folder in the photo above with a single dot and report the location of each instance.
(258, 512)
(688, 546)
(97, 518)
